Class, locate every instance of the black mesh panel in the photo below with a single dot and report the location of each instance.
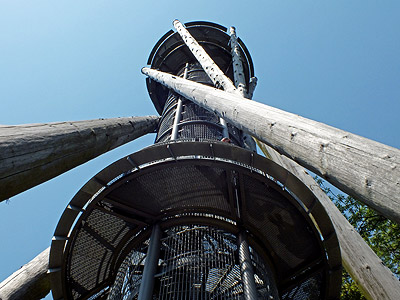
(195, 122)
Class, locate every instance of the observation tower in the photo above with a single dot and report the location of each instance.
(199, 214)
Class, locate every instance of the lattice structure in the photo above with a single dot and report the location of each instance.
(196, 262)
(195, 123)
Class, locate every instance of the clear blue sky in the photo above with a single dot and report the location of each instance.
(337, 62)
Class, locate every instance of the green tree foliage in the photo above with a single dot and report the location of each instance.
(381, 234)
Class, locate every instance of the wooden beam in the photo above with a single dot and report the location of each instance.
(30, 282)
(238, 73)
(240, 82)
(34, 153)
(209, 66)
(374, 279)
(367, 170)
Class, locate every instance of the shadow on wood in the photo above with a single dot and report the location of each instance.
(34, 153)
(30, 282)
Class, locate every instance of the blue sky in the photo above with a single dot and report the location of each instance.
(336, 62)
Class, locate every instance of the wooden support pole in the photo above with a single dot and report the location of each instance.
(178, 111)
(34, 153)
(30, 282)
(238, 71)
(240, 82)
(367, 170)
(238, 74)
(374, 279)
(209, 66)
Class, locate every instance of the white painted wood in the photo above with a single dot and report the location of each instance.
(252, 87)
(178, 111)
(240, 82)
(238, 73)
(34, 153)
(209, 66)
(374, 279)
(30, 282)
(365, 169)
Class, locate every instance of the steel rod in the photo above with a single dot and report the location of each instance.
(209, 66)
(225, 132)
(178, 112)
(150, 265)
(238, 73)
(375, 280)
(246, 268)
(30, 282)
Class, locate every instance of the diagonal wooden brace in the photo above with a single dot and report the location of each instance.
(31, 154)
(365, 169)
(267, 123)
(209, 66)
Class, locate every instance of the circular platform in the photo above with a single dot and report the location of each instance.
(211, 183)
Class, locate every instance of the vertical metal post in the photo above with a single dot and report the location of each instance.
(246, 268)
(178, 112)
(150, 265)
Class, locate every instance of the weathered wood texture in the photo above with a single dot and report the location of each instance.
(209, 66)
(216, 75)
(30, 282)
(240, 81)
(365, 169)
(374, 279)
(34, 153)
(238, 73)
